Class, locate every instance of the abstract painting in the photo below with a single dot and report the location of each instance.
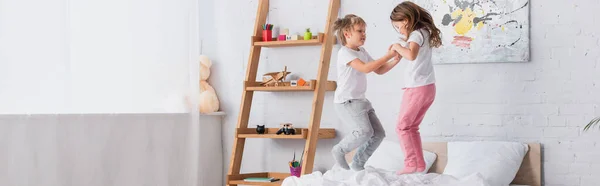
(480, 31)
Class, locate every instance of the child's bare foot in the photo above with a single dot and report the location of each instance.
(407, 170)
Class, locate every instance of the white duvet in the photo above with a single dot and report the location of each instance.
(379, 177)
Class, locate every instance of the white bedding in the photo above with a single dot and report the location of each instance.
(379, 177)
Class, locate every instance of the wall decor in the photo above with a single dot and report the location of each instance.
(480, 31)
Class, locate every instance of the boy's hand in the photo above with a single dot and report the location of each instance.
(397, 58)
(394, 48)
(391, 53)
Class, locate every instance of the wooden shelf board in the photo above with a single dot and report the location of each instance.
(279, 89)
(272, 136)
(257, 41)
(290, 43)
(218, 113)
(255, 86)
(239, 179)
(301, 133)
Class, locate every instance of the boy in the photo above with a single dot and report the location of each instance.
(353, 109)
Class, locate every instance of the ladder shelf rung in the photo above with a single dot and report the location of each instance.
(258, 41)
(256, 86)
(300, 133)
(238, 179)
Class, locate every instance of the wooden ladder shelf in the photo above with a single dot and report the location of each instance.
(319, 86)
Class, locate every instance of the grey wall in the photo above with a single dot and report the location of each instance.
(108, 149)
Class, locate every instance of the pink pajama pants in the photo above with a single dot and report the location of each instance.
(415, 103)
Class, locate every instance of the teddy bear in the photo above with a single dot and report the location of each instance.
(209, 101)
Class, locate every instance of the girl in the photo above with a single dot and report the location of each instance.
(353, 109)
(416, 23)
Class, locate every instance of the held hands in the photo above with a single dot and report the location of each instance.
(395, 47)
(396, 58)
(387, 65)
(394, 52)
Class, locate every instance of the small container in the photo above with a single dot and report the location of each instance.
(281, 37)
(307, 34)
(295, 171)
(274, 33)
(286, 35)
(267, 35)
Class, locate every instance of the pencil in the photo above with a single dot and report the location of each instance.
(302, 157)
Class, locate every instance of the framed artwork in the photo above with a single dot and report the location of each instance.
(480, 31)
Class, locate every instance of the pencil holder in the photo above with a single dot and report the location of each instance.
(295, 171)
(267, 35)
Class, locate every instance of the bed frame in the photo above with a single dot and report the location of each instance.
(530, 172)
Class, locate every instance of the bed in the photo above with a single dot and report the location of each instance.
(528, 173)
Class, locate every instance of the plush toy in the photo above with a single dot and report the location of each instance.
(260, 129)
(208, 97)
(287, 129)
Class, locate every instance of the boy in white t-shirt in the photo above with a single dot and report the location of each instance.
(353, 109)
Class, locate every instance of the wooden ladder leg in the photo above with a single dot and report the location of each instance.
(238, 144)
(319, 94)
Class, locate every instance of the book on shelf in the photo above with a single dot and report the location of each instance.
(260, 179)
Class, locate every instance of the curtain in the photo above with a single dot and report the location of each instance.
(99, 57)
(96, 56)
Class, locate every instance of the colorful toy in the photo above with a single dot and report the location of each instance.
(307, 34)
(296, 37)
(287, 129)
(288, 35)
(301, 82)
(260, 129)
(275, 77)
(284, 35)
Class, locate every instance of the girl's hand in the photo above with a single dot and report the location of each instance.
(392, 52)
(396, 54)
(391, 48)
(396, 48)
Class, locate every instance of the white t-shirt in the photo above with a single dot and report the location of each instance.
(419, 72)
(351, 83)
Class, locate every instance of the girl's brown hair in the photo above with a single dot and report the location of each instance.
(417, 18)
(346, 24)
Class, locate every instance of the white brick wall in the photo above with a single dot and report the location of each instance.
(547, 100)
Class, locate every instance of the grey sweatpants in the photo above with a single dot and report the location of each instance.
(367, 132)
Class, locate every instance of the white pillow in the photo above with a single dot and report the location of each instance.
(389, 156)
(498, 162)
